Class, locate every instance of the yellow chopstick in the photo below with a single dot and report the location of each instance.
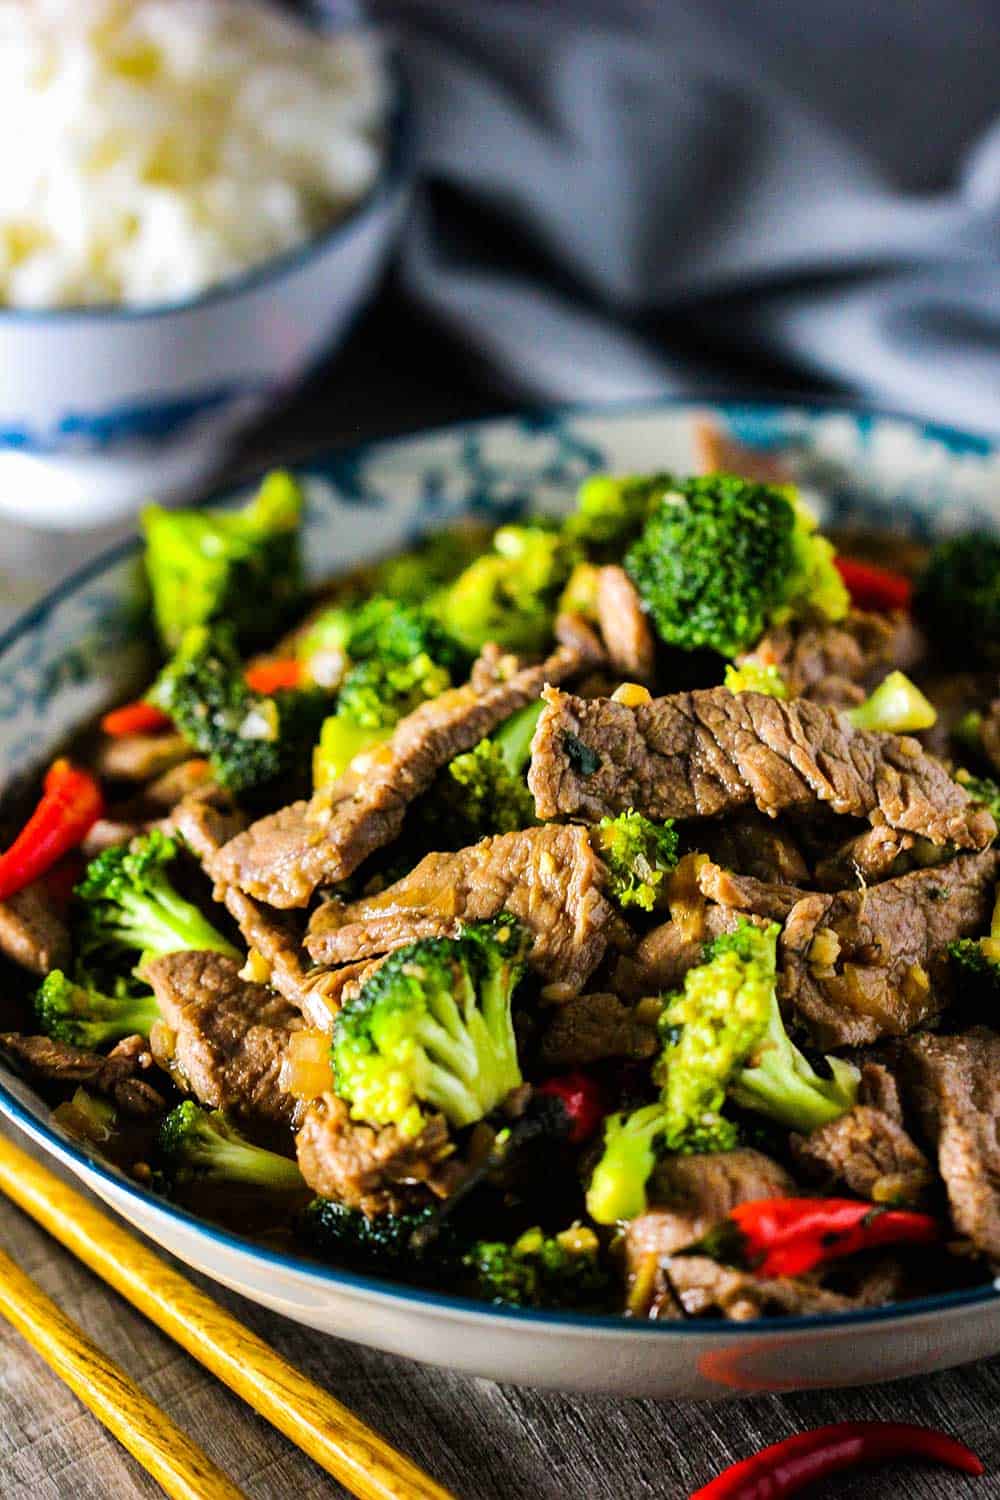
(363, 1461)
(166, 1452)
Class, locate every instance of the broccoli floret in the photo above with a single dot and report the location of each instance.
(958, 597)
(722, 558)
(432, 1029)
(638, 854)
(897, 706)
(129, 904)
(509, 595)
(487, 788)
(611, 509)
(411, 577)
(539, 1270)
(981, 789)
(752, 676)
(723, 1039)
(968, 732)
(399, 656)
(84, 1017)
(201, 1145)
(977, 960)
(255, 745)
(242, 566)
(386, 1242)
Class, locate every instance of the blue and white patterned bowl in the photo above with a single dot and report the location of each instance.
(100, 408)
(85, 647)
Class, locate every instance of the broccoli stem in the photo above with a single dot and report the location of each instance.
(159, 921)
(897, 706)
(617, 1188)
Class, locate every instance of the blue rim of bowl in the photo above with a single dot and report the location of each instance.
(396, 168)
(385, 1289)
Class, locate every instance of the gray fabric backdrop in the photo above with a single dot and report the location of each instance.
(622, 198)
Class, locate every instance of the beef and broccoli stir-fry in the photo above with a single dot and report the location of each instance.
(590, 914)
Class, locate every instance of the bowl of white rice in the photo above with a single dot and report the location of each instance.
(197, 198)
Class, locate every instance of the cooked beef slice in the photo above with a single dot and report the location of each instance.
(953, 1085)
(230, 1035)
(840, 663)
(691, 1193)
(115, 1075)
(550, 878)
(771, 899)
(866, 858)
(754, 845)
(31, 931)
(625, 629)
(693, 1286)
(868, 1152)
(493, 665)
(707, 753)
(140, 757)
(878, 1087)
(591, 1027)
(276, 936)
(861, 965)
(663, 956)
(718, 452)
(283, 858)
(375, 1170)
(106, 833)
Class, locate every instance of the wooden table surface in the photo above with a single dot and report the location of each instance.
(484, 1441)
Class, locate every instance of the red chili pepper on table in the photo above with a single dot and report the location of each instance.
(135, 718)
(871, 587)
(584, 1101)
(70, 804)
(268, 677)
(790, 1236)
(790, 1466)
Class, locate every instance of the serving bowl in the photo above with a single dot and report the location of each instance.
(86, 646)
(103, 407)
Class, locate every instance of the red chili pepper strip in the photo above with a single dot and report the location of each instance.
(584, 1101)
(789, 1236)
(71, 803)
(798, 1462)
(268, 677)
(135, 718)
(871, 587)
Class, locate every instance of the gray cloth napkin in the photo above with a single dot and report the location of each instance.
(617, 200)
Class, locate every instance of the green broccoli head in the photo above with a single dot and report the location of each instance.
(509, 595)
(897, 706)
(412, 577)
(388, 1242)
(399, 656)
(84, 1017)
(201, 1145)
(976, 961)
(981, 789)
(723, 1040)
(432, 1030)
(130, 905)
(256, 746)
(721, 559)
(611, 509)
(486, 789)
(639, 854)
(958, 597)
(540, 1270)
(242, 566)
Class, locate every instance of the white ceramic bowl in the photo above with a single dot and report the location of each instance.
(103, 408)
(84, 648)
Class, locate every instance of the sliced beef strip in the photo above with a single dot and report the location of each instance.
(866, 858)
(230, 1036)
(719, 453)
(283, 858)
(276, 936)
(115, 1075)
(840, 663)
(624, 627)
(32, 933)
(868, 1152)
(692, 1286)
(377, 1171)
(711, 752)
(763, 847)
(140, 757)
(663, 956)
(691, 1193)
(591, 1027)
(861, 965)
(770, 899)
(953, 1085)
(878, 1087)
(550, 878)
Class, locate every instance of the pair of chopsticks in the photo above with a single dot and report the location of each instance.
(362, 1461)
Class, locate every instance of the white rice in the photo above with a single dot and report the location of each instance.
(153, 148)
